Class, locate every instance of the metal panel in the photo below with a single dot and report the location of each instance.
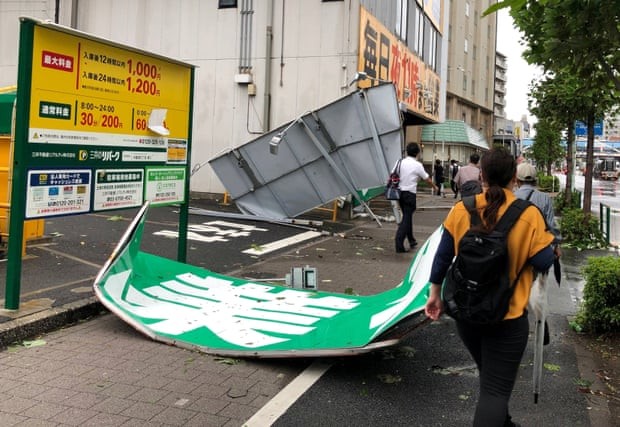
(342, 147)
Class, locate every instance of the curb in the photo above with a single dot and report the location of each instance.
(48, 320)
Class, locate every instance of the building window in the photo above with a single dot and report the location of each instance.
(464, 82)
(418, 31)
(465, 44)
(466, 8)
(474, 52)
(432, 49)
(226, 4)
(402, 12)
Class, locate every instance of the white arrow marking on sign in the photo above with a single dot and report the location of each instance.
(418, 277)
(234, 313)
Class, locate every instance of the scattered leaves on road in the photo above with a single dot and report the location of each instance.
(227, 361)
(551, 367)
(389, 378)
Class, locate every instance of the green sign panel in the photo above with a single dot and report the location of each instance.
(192, 307)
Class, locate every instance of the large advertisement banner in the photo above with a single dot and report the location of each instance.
(382, 56)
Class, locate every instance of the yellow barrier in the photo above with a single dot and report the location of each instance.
(34, 228)
(333, 210)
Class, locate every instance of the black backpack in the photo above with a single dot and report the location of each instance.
(477, 288)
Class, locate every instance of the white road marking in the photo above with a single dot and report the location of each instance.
(278, 405)
(279, 244)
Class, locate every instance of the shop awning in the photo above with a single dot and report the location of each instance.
(454, 132)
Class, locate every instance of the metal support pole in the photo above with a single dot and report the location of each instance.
(339, 172)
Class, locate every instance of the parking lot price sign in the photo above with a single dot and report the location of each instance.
(89, 93)
(89, 103)
(96, 113)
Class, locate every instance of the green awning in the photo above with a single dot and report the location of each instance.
(454, 132)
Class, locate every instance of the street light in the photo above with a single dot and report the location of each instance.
(362, 75)
(274, 143)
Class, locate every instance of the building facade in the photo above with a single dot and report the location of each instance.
(262, 63)
(499, 100)
(470, 77)
(611, 128)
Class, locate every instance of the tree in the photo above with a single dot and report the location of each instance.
(547, 148)
(581, 36)
(555, 98)
(575, 38)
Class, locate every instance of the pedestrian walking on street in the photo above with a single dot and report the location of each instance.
(439, 177)
(496, 348)
(468, 179)
(411, 171)
(454, 168)
(526, 190)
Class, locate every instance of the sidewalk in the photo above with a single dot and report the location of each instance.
(100, 371)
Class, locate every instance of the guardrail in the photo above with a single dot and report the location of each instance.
(606, 224)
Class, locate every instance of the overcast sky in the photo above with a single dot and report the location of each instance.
(520, 73)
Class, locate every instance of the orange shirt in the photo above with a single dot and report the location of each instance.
(527, 237)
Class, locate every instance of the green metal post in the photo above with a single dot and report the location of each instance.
(608, 224)
(184, 210)
(18, 189)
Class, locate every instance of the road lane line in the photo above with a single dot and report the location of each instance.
(279, 404)
(279, 244)
(69, 256)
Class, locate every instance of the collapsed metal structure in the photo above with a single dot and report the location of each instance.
(337, 150)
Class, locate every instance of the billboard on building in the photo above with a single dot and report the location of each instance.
(383, 57)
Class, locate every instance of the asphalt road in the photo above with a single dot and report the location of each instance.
(428, 380)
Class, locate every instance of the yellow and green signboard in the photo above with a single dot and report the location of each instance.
(113, 102)
(92, 118)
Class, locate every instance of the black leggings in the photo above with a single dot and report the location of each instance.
(497, 351)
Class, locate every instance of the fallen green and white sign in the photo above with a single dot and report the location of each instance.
(195, 308)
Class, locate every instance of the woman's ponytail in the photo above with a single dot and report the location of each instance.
(498, 170)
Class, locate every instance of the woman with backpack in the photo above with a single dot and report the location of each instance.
(497, 347)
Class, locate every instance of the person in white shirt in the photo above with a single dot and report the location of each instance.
(411, 171)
